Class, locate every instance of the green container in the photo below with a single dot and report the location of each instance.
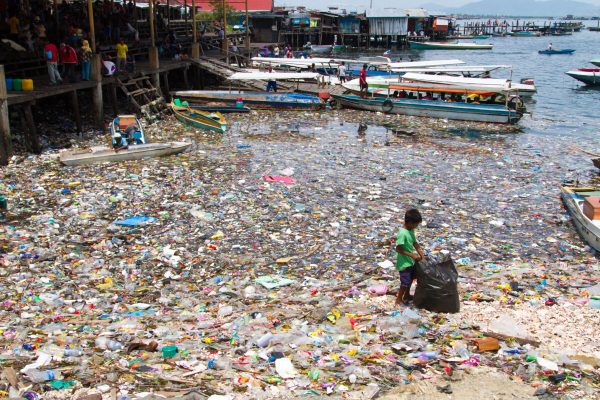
(169, 351)
(18, 85)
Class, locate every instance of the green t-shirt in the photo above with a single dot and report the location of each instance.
(406, 239)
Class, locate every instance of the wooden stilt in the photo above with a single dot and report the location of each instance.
(166, 91)
(76, 113)
(97, 101)
(32, 140)
(186, 82)
(5, 138)
(113, 99)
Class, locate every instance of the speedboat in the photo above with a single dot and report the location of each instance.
(589, 76)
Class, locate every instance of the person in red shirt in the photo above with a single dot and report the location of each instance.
(51, 56)
(68, 57)
(362, 80)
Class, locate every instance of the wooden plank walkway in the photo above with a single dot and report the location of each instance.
(43, 89)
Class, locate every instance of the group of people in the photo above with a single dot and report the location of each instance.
(67, 56)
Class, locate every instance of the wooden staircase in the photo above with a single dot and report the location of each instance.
(144, 98)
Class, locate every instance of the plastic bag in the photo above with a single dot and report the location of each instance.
(437, 285)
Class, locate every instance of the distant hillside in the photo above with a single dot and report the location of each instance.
(526, 8)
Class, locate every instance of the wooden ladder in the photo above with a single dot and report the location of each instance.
(143, 96)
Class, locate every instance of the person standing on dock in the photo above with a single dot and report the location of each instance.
(122, 50)
(51, 56)
(271, 83)
(362, 80)
(86, 56)
(342, 72)
(69, 59)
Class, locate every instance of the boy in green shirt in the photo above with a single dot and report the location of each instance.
(408, 252)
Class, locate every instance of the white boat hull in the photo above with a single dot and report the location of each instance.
(586, 228)
(433, 109)
(99, 154)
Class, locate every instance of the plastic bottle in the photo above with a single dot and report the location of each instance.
(105, 343)
(37, 376)
(73, 352)
(264, 340)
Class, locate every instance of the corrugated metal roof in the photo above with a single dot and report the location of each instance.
(390, 12)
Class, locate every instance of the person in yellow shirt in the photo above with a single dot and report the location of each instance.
(122, 50)
(13, 23)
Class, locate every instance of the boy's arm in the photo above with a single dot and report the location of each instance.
(419, 250)
(414, 256)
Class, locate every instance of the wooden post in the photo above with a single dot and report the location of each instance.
(113, 98)
(224, 46)
(97, 102)
(5, 138)
(185, 78)
(32, 141)
(185, 15)
(166, 91)
(151, 17)
(92, 28)
(248, 33)
(168, 14)
(76, 113)
(56, 21)
(195, 45)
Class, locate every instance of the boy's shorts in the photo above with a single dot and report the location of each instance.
(407, 276)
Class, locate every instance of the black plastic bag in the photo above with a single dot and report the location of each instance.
(437, 285)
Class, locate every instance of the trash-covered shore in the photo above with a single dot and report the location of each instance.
(243, 267)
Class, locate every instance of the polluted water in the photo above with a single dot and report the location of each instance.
(256, 264)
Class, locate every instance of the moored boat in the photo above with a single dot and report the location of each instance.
(222, 109)
(98, 154)
(321, 48)
(556, 51)
(462, 111)
(582, 204)
(524, 34)
(589, 76)
(128, 143)
(596, 62)
(448, 46)
(212, 121)
(258, 100)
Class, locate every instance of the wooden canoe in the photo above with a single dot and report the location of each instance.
(98, 154)
(212, 121)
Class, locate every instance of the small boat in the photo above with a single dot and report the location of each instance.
(556, 51)
(581, 202)
(596, 62)
(321, 48)
(97, 154)
(461, 111)
(126, 130)
(128, 143)
(211, 121)
(221, 109)
(471, 83)
(481, 37)
(596, 162)
(257, 100)
(524, 34)
(448, 46)
(589, 76)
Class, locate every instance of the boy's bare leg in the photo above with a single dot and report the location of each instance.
(402, 292)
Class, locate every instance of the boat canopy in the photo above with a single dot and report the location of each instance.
(245, 76)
